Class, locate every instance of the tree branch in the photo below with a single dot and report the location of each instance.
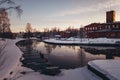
(7, 1)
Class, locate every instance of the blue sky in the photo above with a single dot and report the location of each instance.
(62, 13)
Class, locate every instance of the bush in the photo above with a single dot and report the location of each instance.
(6, 35)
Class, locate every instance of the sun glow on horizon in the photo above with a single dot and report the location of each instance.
(50, 14)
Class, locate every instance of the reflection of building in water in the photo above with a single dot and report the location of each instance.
(109, 52)
(109, 55)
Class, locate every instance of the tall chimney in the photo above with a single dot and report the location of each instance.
(110, 16)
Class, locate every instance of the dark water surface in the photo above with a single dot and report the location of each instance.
(62, 56)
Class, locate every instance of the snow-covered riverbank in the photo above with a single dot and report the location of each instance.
(84, 41)
(73, 74)
(107, 69)
(10, 67)
(9, 59)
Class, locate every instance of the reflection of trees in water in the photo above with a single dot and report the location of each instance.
(82, 56)
(73, 47)
(118, 50)
(110, 53)
(53, 46)
(28, 45)
(29, 49)
(69, 47)
(48, 48)
(34, 43)
(59, 46)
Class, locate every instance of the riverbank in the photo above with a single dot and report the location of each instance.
(106, 69)
(9, 59)
(84, 41)
(11, 67)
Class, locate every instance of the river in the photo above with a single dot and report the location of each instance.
(63, 56)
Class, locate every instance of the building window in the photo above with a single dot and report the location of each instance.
(95, 28)
(113, 26)
(117, 26)
(109, 27)
(90, 28)
(106, 27)
(100, 28)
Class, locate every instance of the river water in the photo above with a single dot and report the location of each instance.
(66, 57)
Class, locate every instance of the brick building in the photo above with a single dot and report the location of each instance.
(110, 29)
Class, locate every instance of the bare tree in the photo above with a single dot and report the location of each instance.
(28, 30)
(6, 5)
(10, 4)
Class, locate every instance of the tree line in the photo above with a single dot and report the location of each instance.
(5, 6)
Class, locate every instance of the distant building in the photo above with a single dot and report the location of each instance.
(110, 16)
(110, 29)
(66, 34)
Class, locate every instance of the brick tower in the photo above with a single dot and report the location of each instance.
(110, 16)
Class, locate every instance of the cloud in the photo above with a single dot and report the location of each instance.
(95, 7)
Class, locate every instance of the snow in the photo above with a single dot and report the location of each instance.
(9, 58)
(73, 74)
(2, 45)
(10, 62)
(82, 41)
(111, 68)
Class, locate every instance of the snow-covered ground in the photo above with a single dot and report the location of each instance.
(110, 68)
(73, 74)
(82, 41)
(9, 59)
(10, 67)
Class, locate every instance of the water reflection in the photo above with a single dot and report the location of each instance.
(82, 56)
(35, 60)
(69, 56)
(109, 52)
(66, 56)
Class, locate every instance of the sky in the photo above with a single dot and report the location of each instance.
(61, 13)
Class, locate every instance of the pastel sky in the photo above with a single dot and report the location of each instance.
(61, 13)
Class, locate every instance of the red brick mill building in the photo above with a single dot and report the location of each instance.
(110, 29)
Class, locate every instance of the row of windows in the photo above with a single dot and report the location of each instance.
(100, 27)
